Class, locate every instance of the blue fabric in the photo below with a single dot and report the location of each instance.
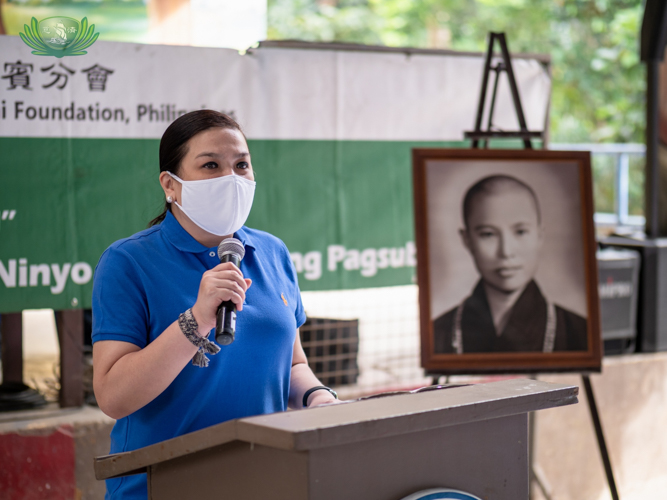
(141, 285)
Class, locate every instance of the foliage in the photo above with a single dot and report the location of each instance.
(68, 2)
(598, 80)
(118, 20)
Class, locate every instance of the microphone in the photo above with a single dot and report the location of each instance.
(229, 250)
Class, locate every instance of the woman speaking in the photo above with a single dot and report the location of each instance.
(156, 295)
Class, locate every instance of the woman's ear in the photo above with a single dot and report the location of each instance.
(167, 182)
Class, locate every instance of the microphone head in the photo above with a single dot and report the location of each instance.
(231, 246)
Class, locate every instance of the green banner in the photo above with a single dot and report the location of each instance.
(344, 209)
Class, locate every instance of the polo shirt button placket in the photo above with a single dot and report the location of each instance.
(212, 253)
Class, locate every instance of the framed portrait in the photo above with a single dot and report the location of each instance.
(506, 261)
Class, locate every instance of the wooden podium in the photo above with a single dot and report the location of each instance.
(472, 438)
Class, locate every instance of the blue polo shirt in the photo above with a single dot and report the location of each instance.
(142, 284)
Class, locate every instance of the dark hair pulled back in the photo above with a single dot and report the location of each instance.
(174, 142)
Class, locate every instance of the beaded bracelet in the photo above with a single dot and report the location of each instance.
(189, 327)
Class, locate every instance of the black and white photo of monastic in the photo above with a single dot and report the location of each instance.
(506, 311)
(506, 257)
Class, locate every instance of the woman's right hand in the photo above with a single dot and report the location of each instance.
(222, 283)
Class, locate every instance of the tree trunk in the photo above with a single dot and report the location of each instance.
(2, 26)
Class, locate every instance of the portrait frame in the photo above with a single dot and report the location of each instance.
(435, 178)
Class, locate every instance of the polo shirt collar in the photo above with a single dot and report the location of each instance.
(244, 237)
(184, 241)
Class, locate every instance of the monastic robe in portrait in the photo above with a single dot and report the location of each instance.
(534, 325)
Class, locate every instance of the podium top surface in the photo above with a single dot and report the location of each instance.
(339, 424)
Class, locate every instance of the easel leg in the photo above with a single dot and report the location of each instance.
(70, 336)
(12, 347)
(592, 406)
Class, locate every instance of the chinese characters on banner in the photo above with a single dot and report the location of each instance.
(18, 75)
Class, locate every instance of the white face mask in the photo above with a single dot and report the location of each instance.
(219, 206)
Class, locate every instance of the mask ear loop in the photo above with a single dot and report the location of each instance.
(174, 176)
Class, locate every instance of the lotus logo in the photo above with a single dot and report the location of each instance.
(441, 494)
(59, 36)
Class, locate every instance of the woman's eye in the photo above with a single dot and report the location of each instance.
(210, 165)
(486, 234)
(242, 165)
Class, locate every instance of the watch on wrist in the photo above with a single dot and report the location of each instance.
(317, 388)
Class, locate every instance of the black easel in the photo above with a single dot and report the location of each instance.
(477, 135)
(505, 65)
(592, 406)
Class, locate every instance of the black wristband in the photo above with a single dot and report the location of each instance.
(313, 389)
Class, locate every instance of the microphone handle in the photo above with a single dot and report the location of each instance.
(225, 325)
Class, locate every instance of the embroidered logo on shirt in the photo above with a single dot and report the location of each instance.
(282, 296)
